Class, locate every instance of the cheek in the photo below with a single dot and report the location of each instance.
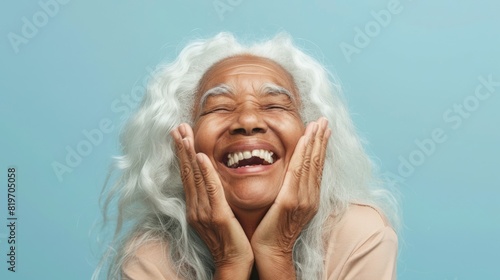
(290, 130)
(289, 124)
(206, 132)
(201, 137)
(293, 138)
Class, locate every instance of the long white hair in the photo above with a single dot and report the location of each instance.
(148, 192)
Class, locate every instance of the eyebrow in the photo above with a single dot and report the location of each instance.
(217, 90)
(267, 88)
(270, 88)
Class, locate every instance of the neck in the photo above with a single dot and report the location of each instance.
(250, 219)
(255, 274)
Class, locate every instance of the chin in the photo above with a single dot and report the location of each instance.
(252, 194)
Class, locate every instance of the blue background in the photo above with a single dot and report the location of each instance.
(87, 62)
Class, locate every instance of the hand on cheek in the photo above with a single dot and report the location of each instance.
(272, 242)
(207, 209)
(297, 202)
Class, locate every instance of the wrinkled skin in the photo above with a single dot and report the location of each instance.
(250, 215)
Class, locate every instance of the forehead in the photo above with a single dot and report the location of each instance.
(247, 68)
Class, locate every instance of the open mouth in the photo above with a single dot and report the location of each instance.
(250, 158)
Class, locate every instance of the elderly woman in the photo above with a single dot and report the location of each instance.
(242, 163)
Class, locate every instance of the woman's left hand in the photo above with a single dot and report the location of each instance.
(294, 207)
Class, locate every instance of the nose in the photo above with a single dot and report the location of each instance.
(248, 122)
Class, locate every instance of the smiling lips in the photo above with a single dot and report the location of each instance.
(249, 158)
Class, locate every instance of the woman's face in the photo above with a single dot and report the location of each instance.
(246, 120)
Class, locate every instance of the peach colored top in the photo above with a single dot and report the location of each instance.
(362, 246)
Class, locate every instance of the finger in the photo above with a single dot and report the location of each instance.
(317, 161)
(185, 167)
(324, 146)
(186, 131)
(294, 169)
(188, 136)
(318, 153)
(325, 136)
(304, 189)
(213, 185)
(197, 177)
(199, 210)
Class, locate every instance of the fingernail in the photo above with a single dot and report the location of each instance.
(199, 158)
(323, 121)
(315, 127)
(172, 132)
(185, 142)
(182, 130)
(306, 138)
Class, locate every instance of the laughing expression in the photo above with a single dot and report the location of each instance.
(247, 121)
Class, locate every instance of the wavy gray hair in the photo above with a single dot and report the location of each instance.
(149, 192)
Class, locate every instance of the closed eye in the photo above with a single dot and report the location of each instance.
(275, 107)
(216, 110)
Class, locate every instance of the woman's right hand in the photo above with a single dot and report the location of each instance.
(208, 211)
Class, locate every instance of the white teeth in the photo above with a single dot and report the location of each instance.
(236, 157)
(247, 154)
